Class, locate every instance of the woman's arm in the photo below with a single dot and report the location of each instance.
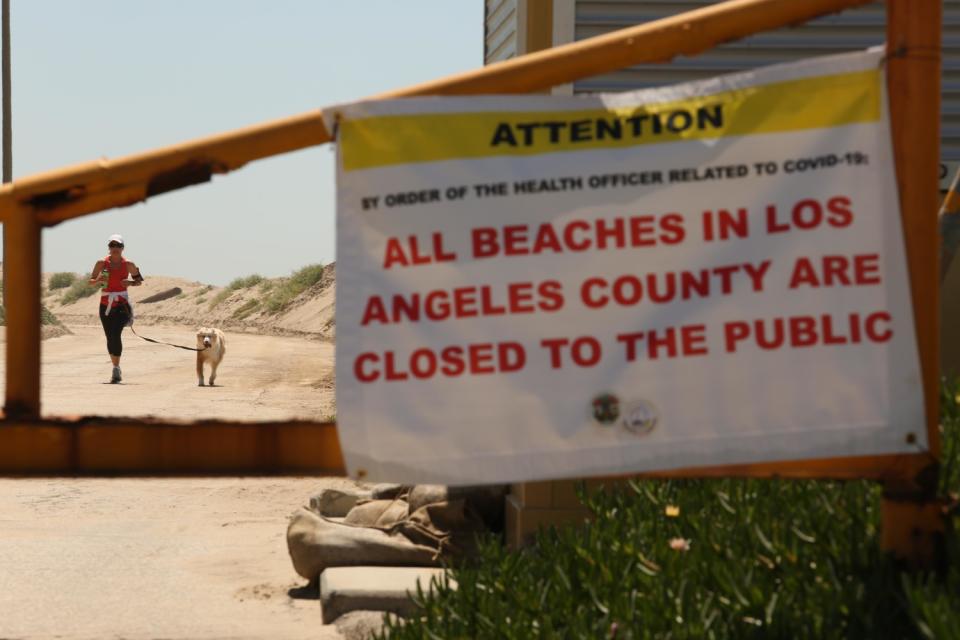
(133, 271)
(95, 277)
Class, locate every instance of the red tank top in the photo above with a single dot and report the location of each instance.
(116, 277)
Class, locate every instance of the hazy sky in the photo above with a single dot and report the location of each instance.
(112, 77)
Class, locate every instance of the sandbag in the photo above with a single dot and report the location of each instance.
(337, 495)
(377, 513)
(449, 527)
(336, 503)
(423, 494)
(388, 491)
(316, 543)
(485, 501)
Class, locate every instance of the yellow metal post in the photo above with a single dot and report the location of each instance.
(911, 526)
(21, 250)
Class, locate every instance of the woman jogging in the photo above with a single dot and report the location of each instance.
(116, 274)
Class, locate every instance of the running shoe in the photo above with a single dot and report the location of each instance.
(115, 378)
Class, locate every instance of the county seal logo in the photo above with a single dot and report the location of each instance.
(640, 417)
(606, 409)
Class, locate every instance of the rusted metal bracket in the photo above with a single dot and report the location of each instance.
(914, 521)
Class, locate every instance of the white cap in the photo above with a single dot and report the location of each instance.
(115, 238)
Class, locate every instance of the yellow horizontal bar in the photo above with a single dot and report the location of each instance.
(118, 446)
(95, 186)
(108, 446)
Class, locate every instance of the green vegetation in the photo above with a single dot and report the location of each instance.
(220, 297)
(308, 275)
(709, 559)
(78, 290)
(289, 288)
(245, 283)
(246, 309)
(276, 294)
(61, 280)
(47, 318)
(236, 285)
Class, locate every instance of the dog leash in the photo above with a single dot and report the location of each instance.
(169, 344)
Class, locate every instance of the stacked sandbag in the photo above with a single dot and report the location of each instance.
(391, 525)
(316, 542)
(337, 501)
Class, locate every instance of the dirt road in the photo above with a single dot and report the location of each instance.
(261, 378)
(151, 558)
(162, 558)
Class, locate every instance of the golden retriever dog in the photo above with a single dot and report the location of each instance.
(212, 347)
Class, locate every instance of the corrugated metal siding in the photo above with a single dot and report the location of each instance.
(499, 30)
(847, 31)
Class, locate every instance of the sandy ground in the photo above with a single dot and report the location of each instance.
(152, 558)
(163, 558)
(261, 377)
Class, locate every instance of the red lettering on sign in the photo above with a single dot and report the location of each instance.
(800, 332)
(484, 242)
(578, 235)
(810, 214)
(840, 213)
(453, 361)
(859, 270)
(360, 372)
(394, 254)
(685, 341)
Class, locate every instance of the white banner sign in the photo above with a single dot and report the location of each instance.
(546, 287)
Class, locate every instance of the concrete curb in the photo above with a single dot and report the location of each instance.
(345, 589)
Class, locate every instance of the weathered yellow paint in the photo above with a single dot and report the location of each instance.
(108, 446)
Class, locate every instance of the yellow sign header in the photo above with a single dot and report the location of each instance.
(806, 103)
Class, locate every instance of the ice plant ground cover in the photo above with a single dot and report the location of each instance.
(710, 559)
